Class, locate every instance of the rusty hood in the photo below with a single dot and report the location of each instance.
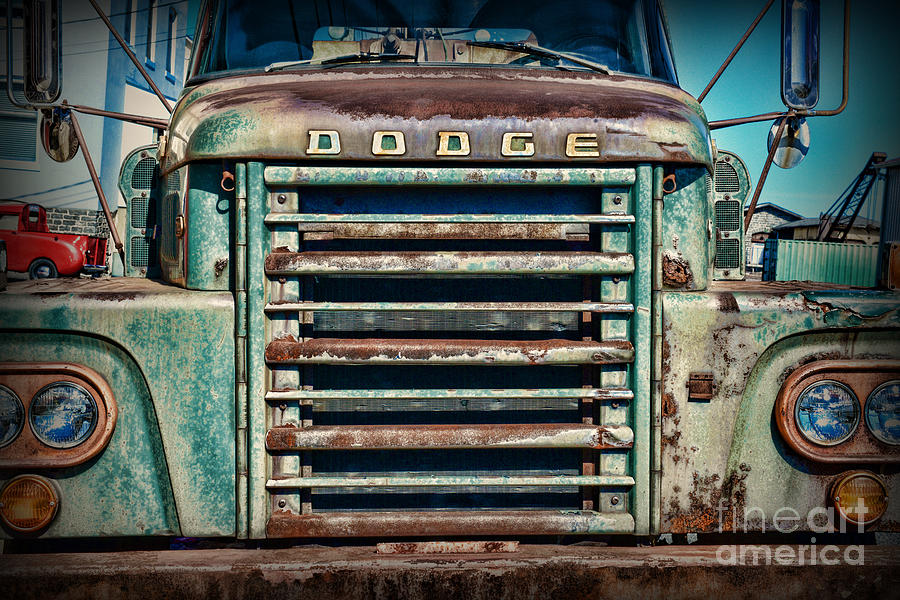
(269, 116)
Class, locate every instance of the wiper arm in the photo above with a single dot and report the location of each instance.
(339, 60)
(535, 50)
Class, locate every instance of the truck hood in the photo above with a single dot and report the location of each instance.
(268, 116)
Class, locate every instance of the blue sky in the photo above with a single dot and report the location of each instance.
(703, 33)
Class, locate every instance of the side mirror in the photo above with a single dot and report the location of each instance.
(43, 51)
(58, 135)
(800, 53)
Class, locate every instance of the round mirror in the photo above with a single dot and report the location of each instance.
(58, 135)
(794, 142)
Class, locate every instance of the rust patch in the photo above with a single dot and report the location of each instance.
(715, 505)
(676, 271)
(220, 265)
(727, 303)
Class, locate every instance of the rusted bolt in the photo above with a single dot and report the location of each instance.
(282, 280)
(727, 273)
(728, 196)
(727, 158)
(143, 194)
(614, 500)
(282, 406)
(614, 404)
(282, 198)
(616, 279)
(282, 504)
(143, 154)
(459, 50)
(617, 200)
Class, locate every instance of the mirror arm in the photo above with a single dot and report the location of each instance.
(96, 180)
(734, 52)
(131, 55)
(845, 90)
(158, 124)
(765, 172)
(845, 84)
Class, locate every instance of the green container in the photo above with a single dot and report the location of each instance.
(829, 262)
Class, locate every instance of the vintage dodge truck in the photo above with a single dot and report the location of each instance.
(430, 269)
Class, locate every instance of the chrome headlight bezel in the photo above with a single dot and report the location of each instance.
(82, 435)
(20, 415)
(877, 431)
(854, 402)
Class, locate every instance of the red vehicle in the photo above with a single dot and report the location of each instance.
(32, 248)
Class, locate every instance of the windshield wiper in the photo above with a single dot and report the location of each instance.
(535, 50)
(340, 60)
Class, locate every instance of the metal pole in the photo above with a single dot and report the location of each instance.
(96, 180)
(131, 55)
(137, 119)
(737, 48)
(765, 172)
(845, 81)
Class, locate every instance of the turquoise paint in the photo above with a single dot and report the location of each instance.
(750, 341)
(131, 472)
(189, 372)
(209, 248)
(685, 227)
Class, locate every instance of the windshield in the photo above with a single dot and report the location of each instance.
(615, 35)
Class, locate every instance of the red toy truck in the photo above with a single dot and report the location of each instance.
(32, 248)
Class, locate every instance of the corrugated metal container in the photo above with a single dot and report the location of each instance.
(802, 260)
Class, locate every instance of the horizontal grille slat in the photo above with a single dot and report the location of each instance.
(308, 396)
(418, 437)
(453, 481)
(301, 218)
(448, 352)
(597, 307)
(449, 263)
(473, 523)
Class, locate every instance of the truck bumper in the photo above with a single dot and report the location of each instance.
(533, 571)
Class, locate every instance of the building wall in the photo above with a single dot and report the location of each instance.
(857, 235)
(78, 221)
(764, 220)
(97, 73)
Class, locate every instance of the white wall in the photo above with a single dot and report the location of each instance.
(85, 43)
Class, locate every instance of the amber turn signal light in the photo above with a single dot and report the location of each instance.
(860, 497)
(28, 503)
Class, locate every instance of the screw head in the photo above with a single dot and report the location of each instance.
(282, 198)
(614, 500)
(617, 200)
(282, 504)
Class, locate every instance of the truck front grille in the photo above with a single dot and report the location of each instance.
(449, 351)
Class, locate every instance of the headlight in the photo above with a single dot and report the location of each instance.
(28, 503)
(883, 412)
(63, 414)
(827, 413)
(860, 497)
(12, 415)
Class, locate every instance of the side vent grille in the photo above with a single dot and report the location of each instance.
(139, 252)
(143, 175)
(139, 212)
(728, 254)
(732, 186)
(728, 215)
(726, 178)
(137, 183)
